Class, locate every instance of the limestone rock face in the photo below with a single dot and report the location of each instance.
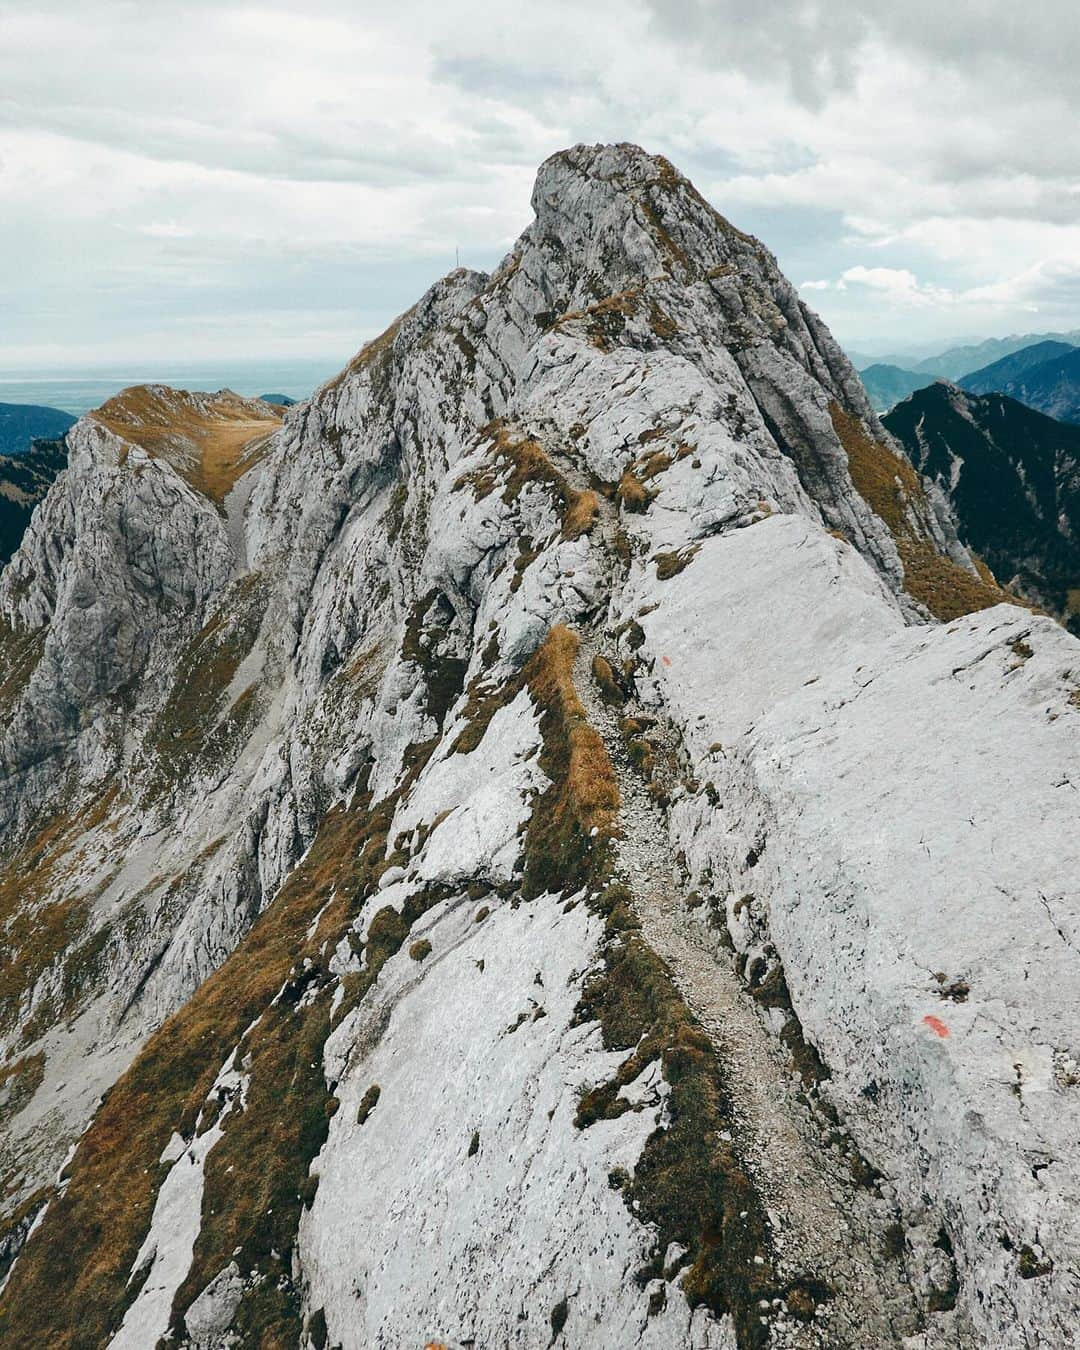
(550, 841)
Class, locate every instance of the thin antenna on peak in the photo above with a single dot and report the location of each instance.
(457, 256)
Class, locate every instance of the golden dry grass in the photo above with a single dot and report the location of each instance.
(70, 1285)
(606, 319)
(669, 565)
(662, 324)
(580, 514)
(886, 482)
(571, 824)
(19, 1081)
(194, 725)
(210, 446)
(605, 677)
(689, 1181)
(528, 463)
(655, 463)
(631, 494)
(40, 917)
(948, 590)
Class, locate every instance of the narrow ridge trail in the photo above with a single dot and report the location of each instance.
(823, 1224)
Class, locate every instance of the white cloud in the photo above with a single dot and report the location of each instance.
(170, 171)
(896, 284)
(164, 229)
(1053, 281)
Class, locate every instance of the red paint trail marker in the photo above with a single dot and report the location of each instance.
(666, 660)
(937, 1026)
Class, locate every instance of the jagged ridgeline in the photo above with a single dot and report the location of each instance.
(552, 841)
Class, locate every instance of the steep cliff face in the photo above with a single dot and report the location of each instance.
(1012, 477)
(506, 856)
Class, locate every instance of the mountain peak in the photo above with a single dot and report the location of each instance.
(539, 803)
(621, 212)
(622, 164)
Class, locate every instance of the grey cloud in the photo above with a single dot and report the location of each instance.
(812, 46)
(342, 151)
(507, 79)
(378, 154)
(816, 46)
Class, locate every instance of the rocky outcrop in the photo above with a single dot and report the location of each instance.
(513, 855)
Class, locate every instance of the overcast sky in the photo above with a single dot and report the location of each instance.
(215, 180)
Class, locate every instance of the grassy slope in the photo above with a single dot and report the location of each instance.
(210, 445)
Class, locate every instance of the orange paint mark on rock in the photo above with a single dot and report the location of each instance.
(936, 1025)
(666, 660)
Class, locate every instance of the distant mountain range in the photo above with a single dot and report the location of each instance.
(999, 375)
(887, 384)
(1004, 365)
(957, 362)
(23, 423)
(1012, 476)
(1050, 385)
(24, 480)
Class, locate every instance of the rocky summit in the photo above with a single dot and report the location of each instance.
(554, 841)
